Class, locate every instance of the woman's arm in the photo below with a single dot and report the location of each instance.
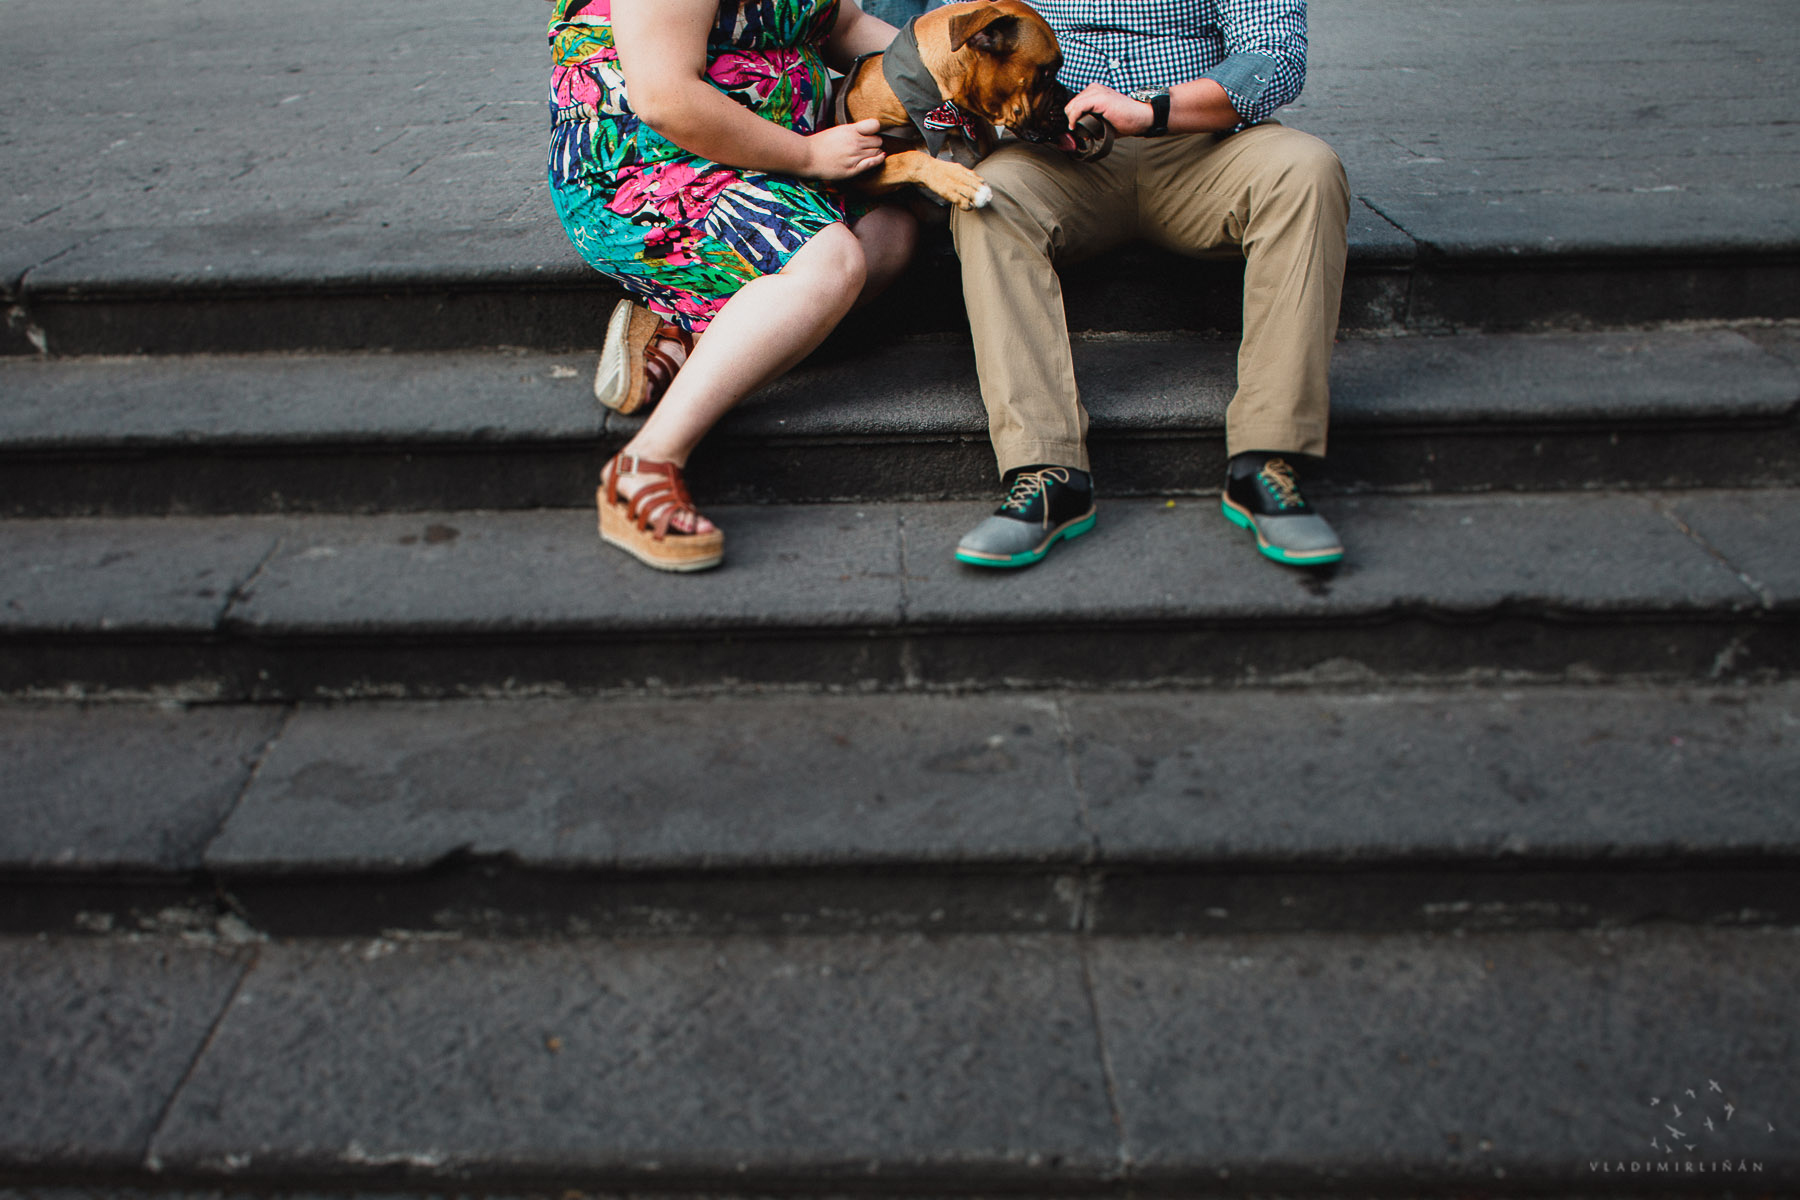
(856, 33)
(662, 52)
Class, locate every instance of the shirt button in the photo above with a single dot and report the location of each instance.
(1113, 63)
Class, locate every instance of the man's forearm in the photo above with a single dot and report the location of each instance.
(1200, 106)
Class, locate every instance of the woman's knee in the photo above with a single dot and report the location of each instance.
(889, 235)
(833, 260)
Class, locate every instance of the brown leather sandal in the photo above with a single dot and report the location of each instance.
(634, 369)
(640, 526)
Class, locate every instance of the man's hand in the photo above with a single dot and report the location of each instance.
(844, 150)
(1129, 117)
(1198, 106)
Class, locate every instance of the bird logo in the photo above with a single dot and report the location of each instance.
(1711, 1110)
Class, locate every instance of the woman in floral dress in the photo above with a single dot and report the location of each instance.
(691, 161)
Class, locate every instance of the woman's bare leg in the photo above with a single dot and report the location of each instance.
(888, 234)
(767, 327)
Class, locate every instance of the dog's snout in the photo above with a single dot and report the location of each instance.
(1044, 118)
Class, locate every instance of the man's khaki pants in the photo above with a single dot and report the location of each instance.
(1278, 193)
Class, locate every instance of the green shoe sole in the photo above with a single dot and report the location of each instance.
(1243, 521)
(1025, 558)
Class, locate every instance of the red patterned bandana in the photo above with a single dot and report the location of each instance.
(946, 116)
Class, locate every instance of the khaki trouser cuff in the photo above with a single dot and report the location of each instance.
(1276, 438)
(1012, 455)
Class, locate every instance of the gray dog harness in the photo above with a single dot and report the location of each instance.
(933, 118)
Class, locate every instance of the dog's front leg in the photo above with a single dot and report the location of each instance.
(953, 182)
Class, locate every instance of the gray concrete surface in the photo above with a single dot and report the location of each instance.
(1507, 1062)
(910, 780)
(828, 567)
(1135, 384)
(94, 1040)
(1757, 537)
(408, 139)
(1546, 587)
(1545, 774)
(862, 803)
(1560, 377)
(112, 789)
(296, 399)
(1541, 774)
(1305, 1058)
(833, 566)
(116, 576)
(745, 1058)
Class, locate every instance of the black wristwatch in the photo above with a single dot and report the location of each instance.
(1158, 100)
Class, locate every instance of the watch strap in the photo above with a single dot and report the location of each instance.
(1158, 101)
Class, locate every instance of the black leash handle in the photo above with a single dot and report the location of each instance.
(1093, 137)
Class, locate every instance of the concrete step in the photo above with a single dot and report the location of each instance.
(1662, 408)
(234, 289)
(1298, 1064)
(1245, 811)
(1556, 586)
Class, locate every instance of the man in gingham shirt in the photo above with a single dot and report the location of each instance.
(1189, 85)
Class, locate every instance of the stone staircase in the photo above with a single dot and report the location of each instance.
(367, 828)
(371, 829)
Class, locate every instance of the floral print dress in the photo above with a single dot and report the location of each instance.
(680, 232)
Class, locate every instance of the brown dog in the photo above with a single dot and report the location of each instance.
(995, 63)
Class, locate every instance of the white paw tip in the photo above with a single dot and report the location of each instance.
(984, 197)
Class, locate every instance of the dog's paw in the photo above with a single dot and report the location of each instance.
(960, 186)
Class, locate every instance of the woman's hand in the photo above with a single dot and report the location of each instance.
(844, 150)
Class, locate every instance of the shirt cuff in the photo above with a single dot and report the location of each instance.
(1246, 77)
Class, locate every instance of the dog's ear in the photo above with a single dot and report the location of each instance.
(990, 29)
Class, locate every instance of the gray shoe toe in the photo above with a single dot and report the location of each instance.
(1305, 534)
(1002, 536)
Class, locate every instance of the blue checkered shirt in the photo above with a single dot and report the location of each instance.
(1254, 49)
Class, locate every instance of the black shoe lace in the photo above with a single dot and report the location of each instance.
(1279, 479)
(1029, 486)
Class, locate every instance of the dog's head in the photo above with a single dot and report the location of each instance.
(1010, 58)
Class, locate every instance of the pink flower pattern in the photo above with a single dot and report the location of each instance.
(679, 231)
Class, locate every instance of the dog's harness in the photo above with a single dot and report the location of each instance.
(933, 117)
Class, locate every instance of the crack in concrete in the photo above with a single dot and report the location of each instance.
(909, 657)
(1108, 1074)
(242, 589)
(1376, 209)
(1765, 597)
(1065, 725)
(152, 1163)
(901, 547)
(237, 802)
